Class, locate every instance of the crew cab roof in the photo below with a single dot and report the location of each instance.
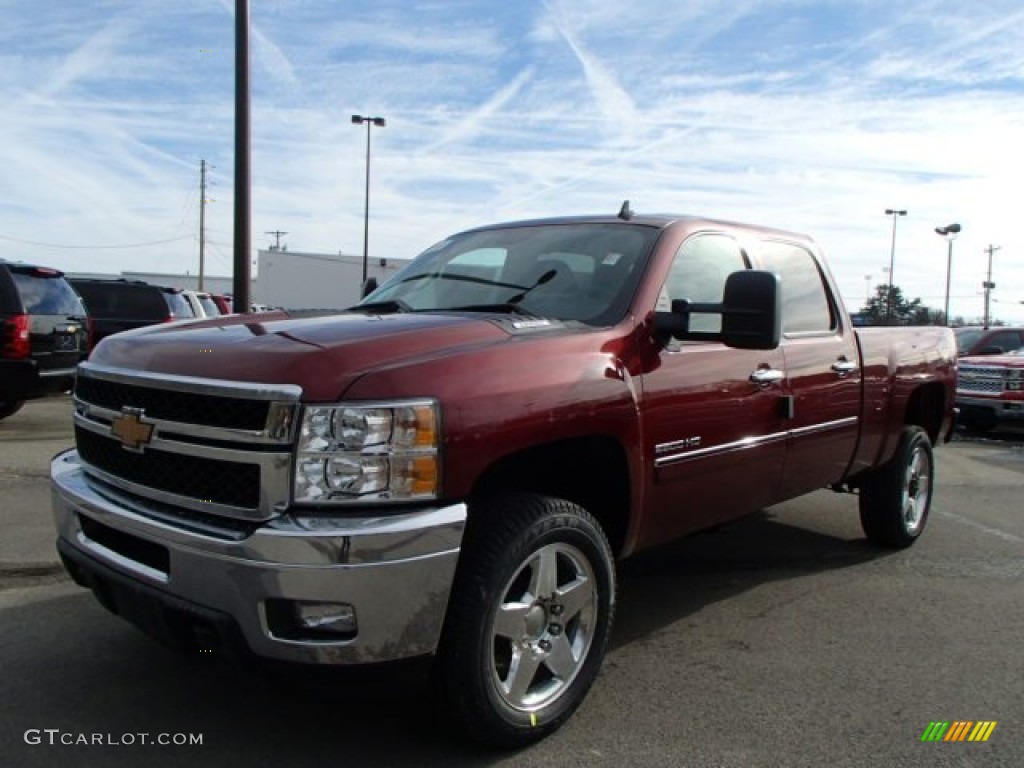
(657, 220)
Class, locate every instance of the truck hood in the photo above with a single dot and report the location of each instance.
(1000, 361)
(322, 354)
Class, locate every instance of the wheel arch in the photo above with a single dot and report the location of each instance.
(926, 407)
(592, 471)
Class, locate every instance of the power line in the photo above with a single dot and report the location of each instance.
(95, 247)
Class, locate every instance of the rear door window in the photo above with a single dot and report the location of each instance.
(805, 301)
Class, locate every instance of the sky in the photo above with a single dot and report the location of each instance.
(808, 115)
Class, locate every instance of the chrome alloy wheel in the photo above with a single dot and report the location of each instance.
(917, 489)
(543, 628)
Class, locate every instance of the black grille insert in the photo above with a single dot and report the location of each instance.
(186, 407)
(233, 483)
(141, 551)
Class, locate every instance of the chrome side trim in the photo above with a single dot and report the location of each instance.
(747, 442)
(193, 384)
(824, 426)
(739, 445)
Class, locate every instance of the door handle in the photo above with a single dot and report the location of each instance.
(844, 367)
(766, 376)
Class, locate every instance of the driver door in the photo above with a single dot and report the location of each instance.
(712, 417)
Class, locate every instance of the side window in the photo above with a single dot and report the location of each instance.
(698, 274)
(805, 304)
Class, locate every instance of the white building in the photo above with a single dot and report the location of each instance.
(295, 280)
(286, 279)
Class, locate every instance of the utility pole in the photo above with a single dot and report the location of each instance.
(202, 220)
(988, 284)
(243, 159)
(277, 235)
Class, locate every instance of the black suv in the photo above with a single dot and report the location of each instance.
(43, 334)
(120, 305)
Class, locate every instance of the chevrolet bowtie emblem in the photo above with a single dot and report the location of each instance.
(131, 430)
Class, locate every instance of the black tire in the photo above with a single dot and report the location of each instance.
(895, 500)
(511, 677)
(10, 407)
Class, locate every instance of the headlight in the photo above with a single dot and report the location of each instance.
(358, 453)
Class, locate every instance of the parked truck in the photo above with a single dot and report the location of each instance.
(452, 468)
(990, 390)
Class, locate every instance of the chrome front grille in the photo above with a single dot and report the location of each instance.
(983, 380)
(215, 447)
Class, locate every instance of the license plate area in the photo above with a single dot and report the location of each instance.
(65, 338)
(65, 342)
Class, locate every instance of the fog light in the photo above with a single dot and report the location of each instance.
(311, 621)
(338, 618)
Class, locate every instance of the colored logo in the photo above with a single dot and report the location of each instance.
(131, 430)
(959, 730)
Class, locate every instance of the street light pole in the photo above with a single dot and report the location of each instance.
(895, 213)
(950, 231)
(989, 285)
(370, 122)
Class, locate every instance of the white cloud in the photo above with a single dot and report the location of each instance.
(814, 116)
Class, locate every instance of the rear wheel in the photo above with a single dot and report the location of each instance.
(529, 618)
(895, 500)
(10, 407)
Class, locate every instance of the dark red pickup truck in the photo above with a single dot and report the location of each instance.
(451, 468)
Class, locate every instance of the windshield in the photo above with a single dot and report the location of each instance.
(965, 338)
(584, 272)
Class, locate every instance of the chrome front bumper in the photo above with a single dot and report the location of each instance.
(395, 570)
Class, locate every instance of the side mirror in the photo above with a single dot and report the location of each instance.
(751, 311)
(368, 287)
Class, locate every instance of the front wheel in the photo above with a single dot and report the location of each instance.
(895, 500)
(529, 618)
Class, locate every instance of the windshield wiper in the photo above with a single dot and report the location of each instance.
(382, 307)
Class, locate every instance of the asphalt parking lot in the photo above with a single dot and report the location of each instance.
(783, 640)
